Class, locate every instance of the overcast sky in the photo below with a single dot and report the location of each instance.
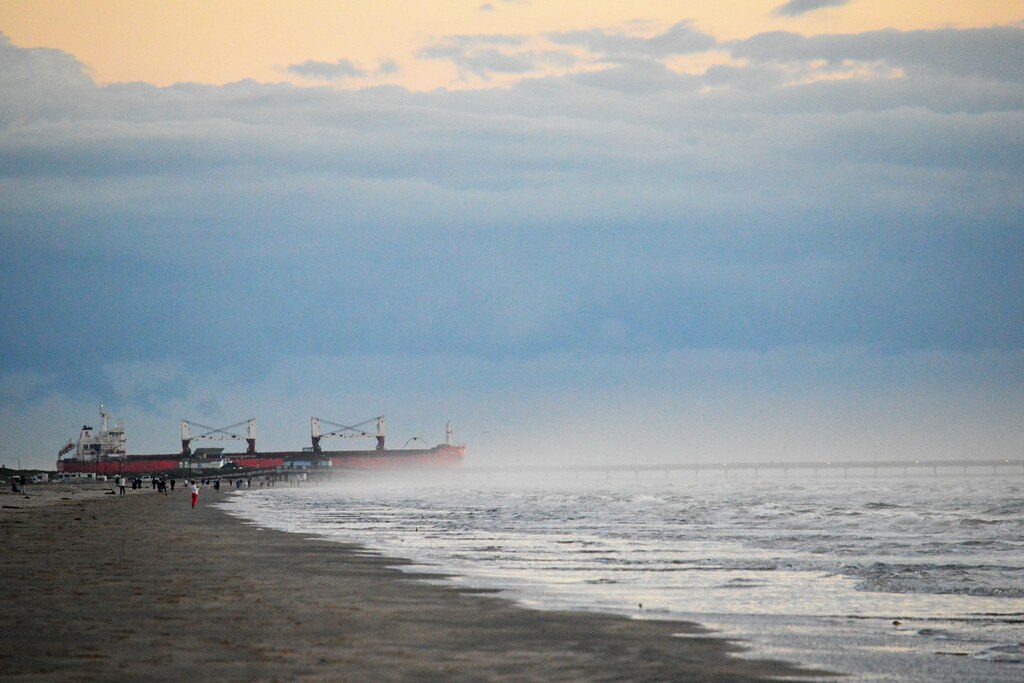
(638, 240)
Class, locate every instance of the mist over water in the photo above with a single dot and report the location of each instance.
(810, 570)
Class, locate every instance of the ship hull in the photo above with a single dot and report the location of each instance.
(123, 465)
(428, 458)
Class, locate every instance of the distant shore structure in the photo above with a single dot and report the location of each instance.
(104, 450)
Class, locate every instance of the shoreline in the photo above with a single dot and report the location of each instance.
(143, 586)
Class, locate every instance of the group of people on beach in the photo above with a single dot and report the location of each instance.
(247, 482)
(160, 485)
(163, 484)
(239, 483)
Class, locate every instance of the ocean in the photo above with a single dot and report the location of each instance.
(892, 578)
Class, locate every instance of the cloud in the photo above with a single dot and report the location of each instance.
(490, 60)
(681, 38)
(341, 70)
(491, 7)
(996, 52)
(487, 54)
(42, 83)
(478, 39)
(748, 77)
(328, 71)
(461, 47)
(638, 76)
(795, 8)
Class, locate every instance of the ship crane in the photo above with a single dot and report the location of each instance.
(218, 434)
(346, 431)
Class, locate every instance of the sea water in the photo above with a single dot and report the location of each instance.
(907, 579)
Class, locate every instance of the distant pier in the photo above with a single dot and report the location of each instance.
(963, 465)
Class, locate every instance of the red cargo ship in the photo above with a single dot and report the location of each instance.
(103, 451)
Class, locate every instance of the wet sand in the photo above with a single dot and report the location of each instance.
(144, 587)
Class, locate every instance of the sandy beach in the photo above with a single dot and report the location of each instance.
(99, 586)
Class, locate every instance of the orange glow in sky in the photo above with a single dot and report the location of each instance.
(229, 40)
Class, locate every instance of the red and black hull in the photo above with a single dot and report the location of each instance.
(423, 458)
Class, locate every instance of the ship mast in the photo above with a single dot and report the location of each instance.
(346, 431)
(380, 433)
(218, 434)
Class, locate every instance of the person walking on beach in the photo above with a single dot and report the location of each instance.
(120, 483)
(172, 484)
(195, 493)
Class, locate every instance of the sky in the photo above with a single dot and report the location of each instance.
(585, 232)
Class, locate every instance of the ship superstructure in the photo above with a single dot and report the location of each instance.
(105, 442)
